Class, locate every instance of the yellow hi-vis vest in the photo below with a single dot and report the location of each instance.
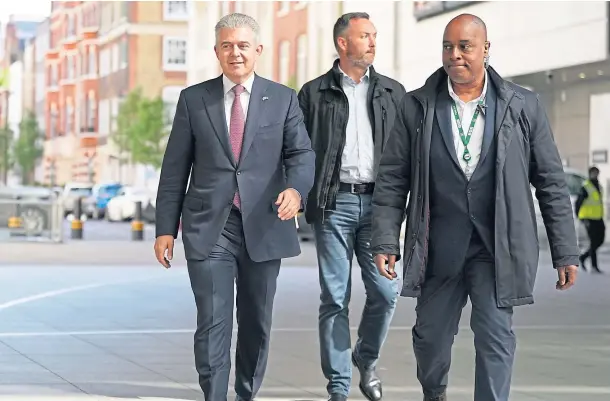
(593, 207)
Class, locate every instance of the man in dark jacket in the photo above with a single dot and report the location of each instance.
(349, 112)
(589, 208)
(465, 148)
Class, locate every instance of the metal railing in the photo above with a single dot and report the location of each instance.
(31, 220)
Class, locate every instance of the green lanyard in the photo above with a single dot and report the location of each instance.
(466, 156)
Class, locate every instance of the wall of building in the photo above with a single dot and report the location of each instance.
(203, 64)
(599, 146)
(532, 37)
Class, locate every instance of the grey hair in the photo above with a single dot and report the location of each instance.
(237, 20)
(343, 23)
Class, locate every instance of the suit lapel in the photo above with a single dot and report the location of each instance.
(213, 100)
(444, 120)
(256, 108)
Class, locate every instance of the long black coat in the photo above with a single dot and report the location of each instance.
(526, 154)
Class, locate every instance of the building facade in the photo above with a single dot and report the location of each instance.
(203, 18)
(290, 43)
(560, 52)
(99, 52)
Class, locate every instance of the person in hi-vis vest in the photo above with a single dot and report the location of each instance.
(590, 210)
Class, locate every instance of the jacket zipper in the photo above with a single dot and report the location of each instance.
(416, 234)
(329, 174)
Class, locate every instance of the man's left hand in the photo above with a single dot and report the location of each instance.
(567, 277)
(289, 202)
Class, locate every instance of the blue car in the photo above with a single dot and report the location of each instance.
(96, 204)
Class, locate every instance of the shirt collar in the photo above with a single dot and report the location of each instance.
(227, 84)
(365, 77)
(457, 98)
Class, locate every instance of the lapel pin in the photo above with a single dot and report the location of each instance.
(265, 98)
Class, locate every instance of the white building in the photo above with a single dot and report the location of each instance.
(558, 49)
(204, 16)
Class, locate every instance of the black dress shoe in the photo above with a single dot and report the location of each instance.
(442, 397)
(337, 397)
(370, 383)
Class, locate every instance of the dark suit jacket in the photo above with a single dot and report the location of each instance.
(276, 155)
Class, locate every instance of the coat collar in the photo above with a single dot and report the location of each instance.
(332, 79)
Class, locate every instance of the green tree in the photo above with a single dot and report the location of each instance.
(292, 83)
(6, 141)
(141, 129)
(28, 148)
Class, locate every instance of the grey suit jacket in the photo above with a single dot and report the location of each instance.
(276, 155)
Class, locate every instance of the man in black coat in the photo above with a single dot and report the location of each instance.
(465, 149)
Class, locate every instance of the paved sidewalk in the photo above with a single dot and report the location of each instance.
(103, 253)
(100, 332)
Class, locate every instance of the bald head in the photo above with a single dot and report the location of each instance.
(465, 46)
(466, 20)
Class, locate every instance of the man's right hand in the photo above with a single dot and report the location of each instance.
(163, 244)
(386, 270)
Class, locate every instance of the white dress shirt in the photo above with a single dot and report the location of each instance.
(466, 111)
(358, 158)
(228, 85)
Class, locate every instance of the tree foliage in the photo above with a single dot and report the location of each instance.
(28, 148)
(141, 129)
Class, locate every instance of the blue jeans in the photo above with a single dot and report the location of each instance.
(345, 231)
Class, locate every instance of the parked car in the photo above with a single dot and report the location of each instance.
(71, 192)
(95, 205)
(123, 206)
(35, 218)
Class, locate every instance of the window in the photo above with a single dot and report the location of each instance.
(174, 54)
(91, 110)
(301, 60)
(103, 117)
(284, 60)
(284, 8)
(124, 54)
(115, 57)
(224, 8)
(69, 117)
(71, 61)
(175, 10)
(92, 61)
(104, 62)
(71, 25)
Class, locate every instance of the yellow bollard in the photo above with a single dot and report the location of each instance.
(14, 222)
(77, 229)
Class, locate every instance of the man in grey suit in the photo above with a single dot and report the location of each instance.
(465, 149)
(243, 142)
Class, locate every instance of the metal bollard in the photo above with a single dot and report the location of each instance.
(137, 225)
(77, 224)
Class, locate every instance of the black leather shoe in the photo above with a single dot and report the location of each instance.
(370, 383)
(337, 397)
(442, 397)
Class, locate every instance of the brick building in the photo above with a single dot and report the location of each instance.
(290, 43)
(99, 52)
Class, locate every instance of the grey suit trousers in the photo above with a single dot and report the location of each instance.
(439, 309)
(212, 281)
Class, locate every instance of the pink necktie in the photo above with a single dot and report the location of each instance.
(236, 131)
